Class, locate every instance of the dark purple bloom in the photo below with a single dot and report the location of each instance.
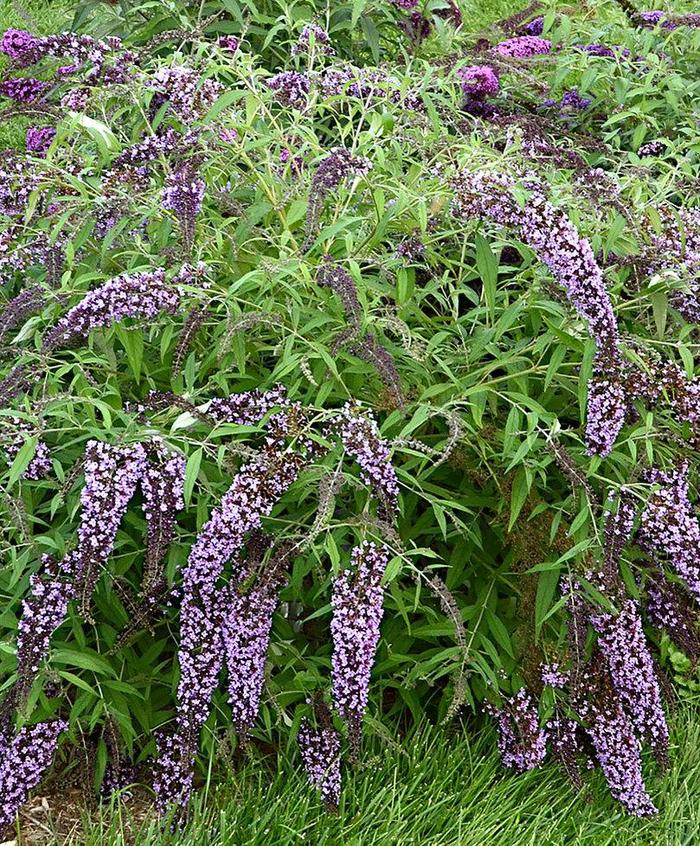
(573, 101)
(39, 139)
(40, 465)
(291, 88)
(228, 42)
(405, 4)
(25, 304)
(21, 46)
(416, 26)
(321, 41)
(183, 195)
(479, 81)
(535, 26)
(23, 90)
(189, 96)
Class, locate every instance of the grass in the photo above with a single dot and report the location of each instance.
(433, 791)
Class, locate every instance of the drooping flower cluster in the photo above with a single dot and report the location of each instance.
(253, 493)
(162, 484)
(523, 47)
(248, 407)
(650, 20)
(358, 607)
(24, 305)
(183, 195)
(669, 527)
(187, 94)
(359, 434)
(18, 179)
(553, 676)
(313, 34)
(617, 749)
(320, 753)
(39, 138)
(23, 89)
(332, 275)
(675, 254)
(138, 295)
(670, 607)
(247, 622)
(21, 47)
(569, 257)
(111, 477)
(23, 761)
(334, 169)
(291, 88)
(479, 81)
(521, 741)
(624, 647)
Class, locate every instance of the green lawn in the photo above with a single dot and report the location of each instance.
(433, 791)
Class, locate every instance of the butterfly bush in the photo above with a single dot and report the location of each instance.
(90, 195)
(549, 232)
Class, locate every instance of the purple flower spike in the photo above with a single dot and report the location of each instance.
(521, 741)
(358, 597)
(569, 257)
(23, 763)
(39, 139)
(320, 752)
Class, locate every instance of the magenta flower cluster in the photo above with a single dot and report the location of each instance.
(523, 47)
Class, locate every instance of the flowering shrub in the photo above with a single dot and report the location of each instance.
(336, 391)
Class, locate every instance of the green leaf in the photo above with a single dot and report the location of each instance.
(191, 472)
(23, 459)
(487, 265)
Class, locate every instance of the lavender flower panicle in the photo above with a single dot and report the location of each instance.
(140, 295)
(251, 496)
(521, 741)
(247, 623)
(669, 527)
(337, 166)
(23, 763)
(320, 752)
(291, 88)
(623, 646)
(357, 601)
(550, 233)
(523, 47)
(616, 747)
(183, 195)
(359, 434)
